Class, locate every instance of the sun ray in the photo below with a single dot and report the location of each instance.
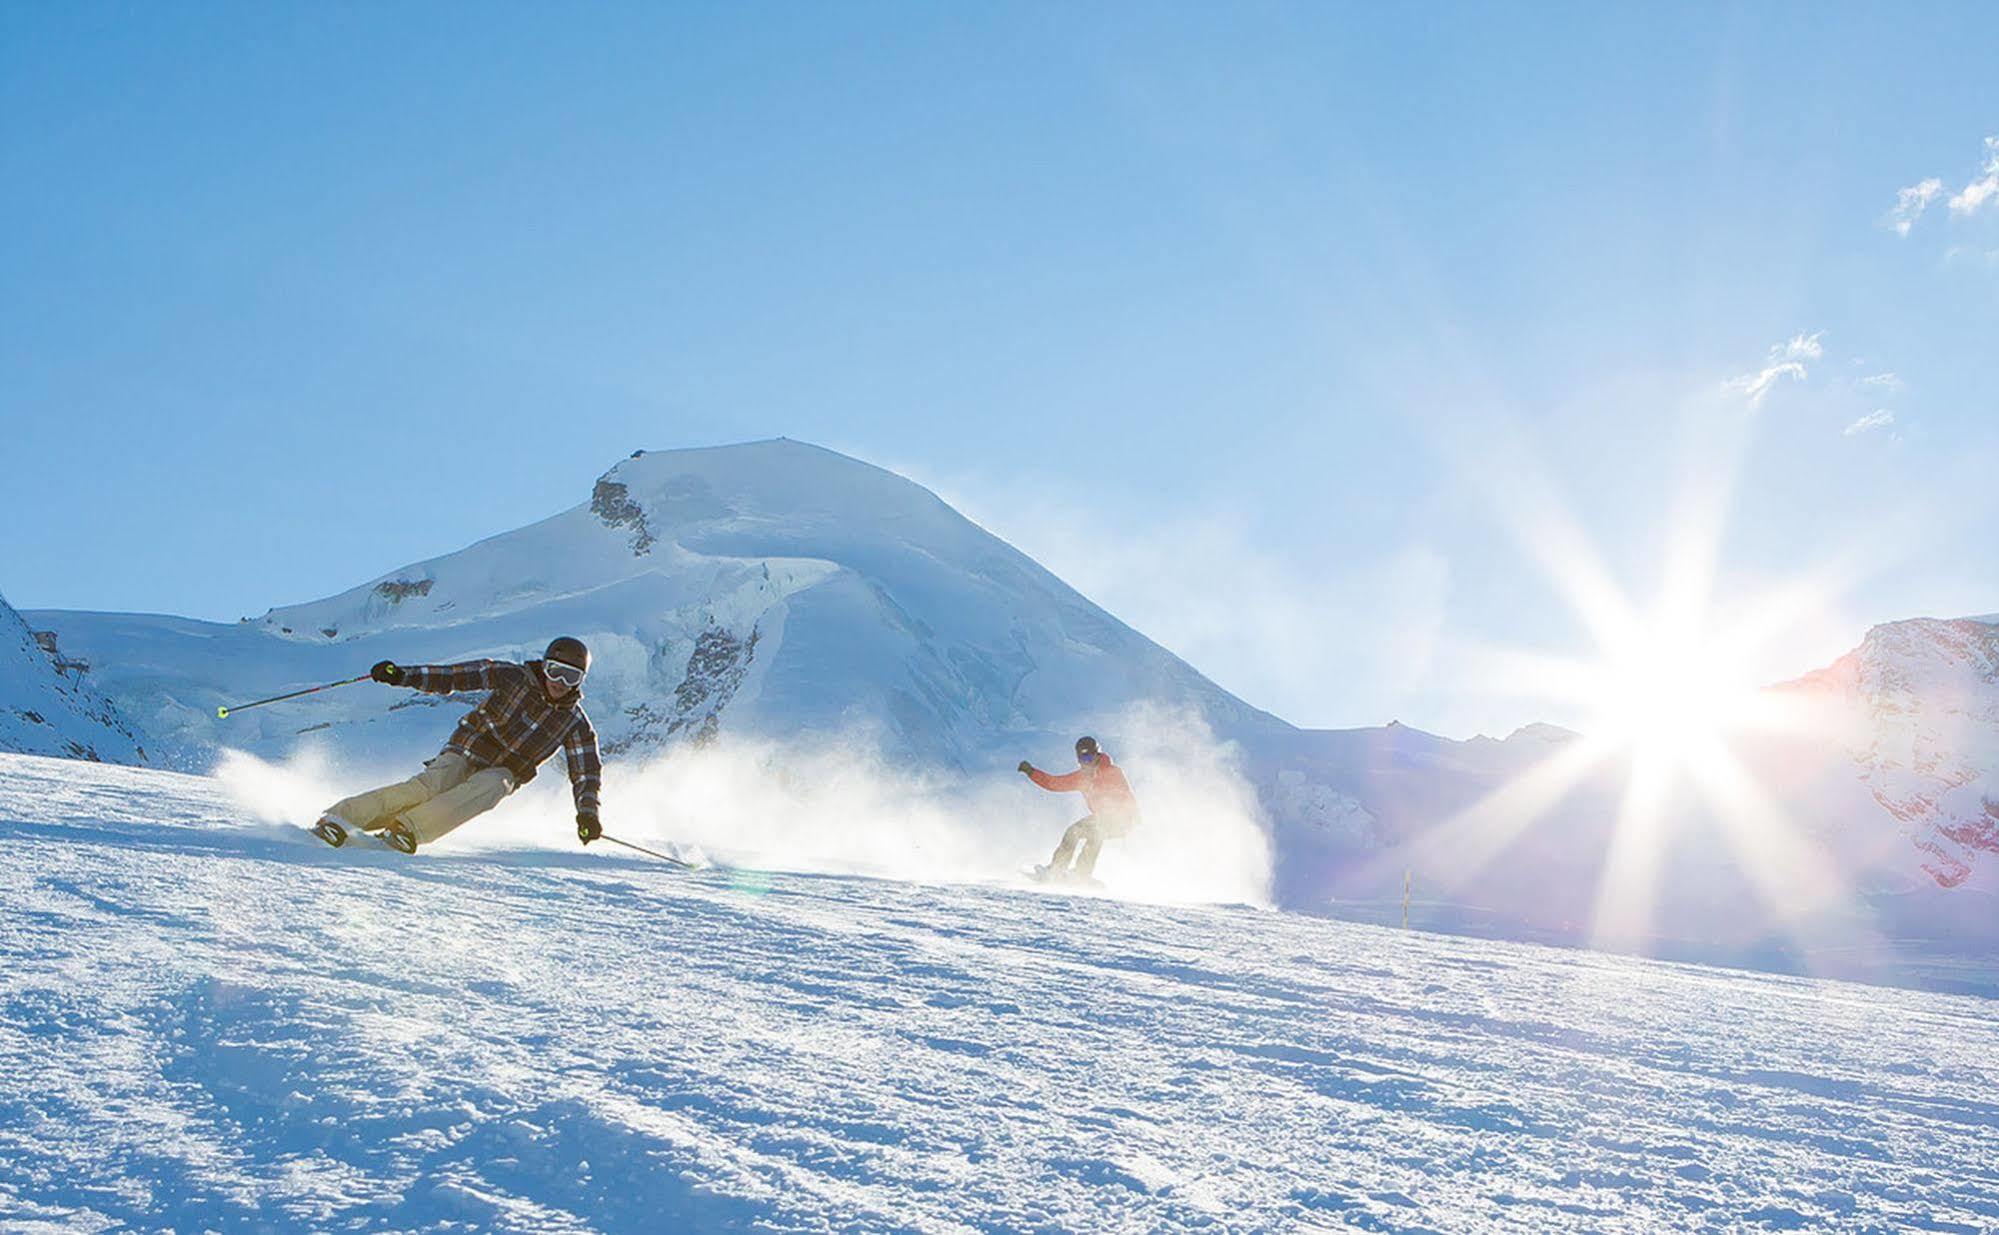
(1622, 916)
(1522, 496)
(1674, 682)
(1463, 846)
(1790, 875)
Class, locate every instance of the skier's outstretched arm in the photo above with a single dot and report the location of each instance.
(586, 774)
(450, 679)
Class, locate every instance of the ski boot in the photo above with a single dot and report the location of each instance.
(399, 837)
(330, 832)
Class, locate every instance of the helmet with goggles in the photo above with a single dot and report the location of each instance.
(566, 661)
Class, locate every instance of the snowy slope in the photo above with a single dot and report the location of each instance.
(212, 1025)
(47, 709)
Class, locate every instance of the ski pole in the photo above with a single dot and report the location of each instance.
(224, 711)
(686, 866)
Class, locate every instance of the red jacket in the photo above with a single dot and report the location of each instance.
(1103, 786)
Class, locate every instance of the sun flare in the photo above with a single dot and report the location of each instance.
(1670, 698)
(1669, 695)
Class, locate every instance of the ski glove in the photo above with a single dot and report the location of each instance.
(1025, 767)
(387, 671)
(587, 827)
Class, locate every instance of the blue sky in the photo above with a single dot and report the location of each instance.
(1263, 325)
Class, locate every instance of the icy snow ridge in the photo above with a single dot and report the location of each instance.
(212, 1025)
(46, 708)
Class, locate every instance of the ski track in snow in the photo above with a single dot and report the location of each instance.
(207, 1025)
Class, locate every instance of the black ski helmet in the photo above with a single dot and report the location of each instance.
(568, 650)
(1085, 746)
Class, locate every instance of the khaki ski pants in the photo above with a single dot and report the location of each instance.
(446, 793)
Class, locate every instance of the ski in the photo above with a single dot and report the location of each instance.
(338, 837)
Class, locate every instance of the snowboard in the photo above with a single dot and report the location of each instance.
(1062, 876)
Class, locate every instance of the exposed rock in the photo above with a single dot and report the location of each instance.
(396, 591)
(613, 503)
(715, 670)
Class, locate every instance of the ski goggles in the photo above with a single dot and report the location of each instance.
(568, 675)
(1087, 756)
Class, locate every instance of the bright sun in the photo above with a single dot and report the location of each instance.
(1665, 699)
(1668, 694)
(1668, 699)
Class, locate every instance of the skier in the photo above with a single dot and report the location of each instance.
(1113, 809)
(534, 708)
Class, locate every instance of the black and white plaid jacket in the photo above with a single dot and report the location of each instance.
(517, 726)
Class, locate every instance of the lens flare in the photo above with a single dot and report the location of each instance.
(1671, 694)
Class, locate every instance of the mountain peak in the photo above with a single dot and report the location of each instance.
(1541, 731)
(774, 478)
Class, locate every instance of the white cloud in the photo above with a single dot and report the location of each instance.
(1973, 197)
(1786, 361)
(1801, 347)
(1758, 384)
(1885, 381)
(1910, 204)
(1983, 190)
(1875, 419)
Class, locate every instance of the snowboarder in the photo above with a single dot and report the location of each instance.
(534, 708)
(1113, 809)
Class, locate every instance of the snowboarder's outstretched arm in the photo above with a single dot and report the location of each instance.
(586, 773)
(1068, 782)
(450, 679)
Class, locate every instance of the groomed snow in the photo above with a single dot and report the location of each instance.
(211, 1025)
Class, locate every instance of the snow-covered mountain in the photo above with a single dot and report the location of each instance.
(775, 588)
(1920, 705)
(46, 708)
